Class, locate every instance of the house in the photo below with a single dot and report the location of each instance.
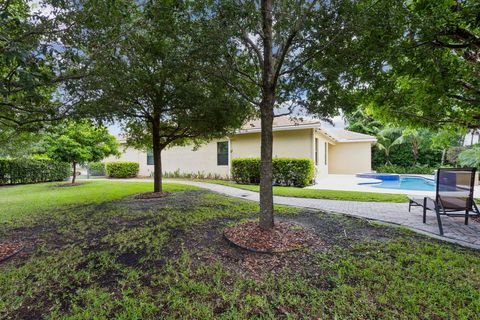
(333, 151)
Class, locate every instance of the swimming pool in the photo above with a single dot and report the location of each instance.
(403, 183)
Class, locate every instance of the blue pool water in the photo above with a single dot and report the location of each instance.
(404, 183)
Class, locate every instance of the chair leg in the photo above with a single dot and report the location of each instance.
(425, 210)
(409, 205)
(466, 217)
(440, 227)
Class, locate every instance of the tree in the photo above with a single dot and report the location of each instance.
(79, 143)
(33, 65)
(430, 75)
(296, 54)
(149, 77)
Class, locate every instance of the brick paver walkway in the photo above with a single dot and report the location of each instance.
(397, 213)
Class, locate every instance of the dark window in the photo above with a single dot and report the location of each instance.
(150, 160)
(222, 153)
(316, 151)
(326, 150)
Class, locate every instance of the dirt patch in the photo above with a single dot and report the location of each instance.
(153, 195)
(283, 237)
(9, 248)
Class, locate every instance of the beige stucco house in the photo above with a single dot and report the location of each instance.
(333, 151)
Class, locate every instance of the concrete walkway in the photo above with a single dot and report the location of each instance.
(455, 230)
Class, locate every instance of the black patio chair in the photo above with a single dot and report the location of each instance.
(453, 195)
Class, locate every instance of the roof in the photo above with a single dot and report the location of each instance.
(283, 121)
(296, 123)
(342, 135)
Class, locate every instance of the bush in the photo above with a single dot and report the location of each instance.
(97, 168)
(29, 170)
(296, 172)
(405, 170)
(122, 169)
(470, 157)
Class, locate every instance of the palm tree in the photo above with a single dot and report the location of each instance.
(386, 139)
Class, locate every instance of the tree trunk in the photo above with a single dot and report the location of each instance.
(74, 166)
(157, 156)
(266, 111)
(444, 152)
(266, 170)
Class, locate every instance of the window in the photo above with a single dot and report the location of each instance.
(222, 153)
(150, 160)
(326, 150)
(316, 151)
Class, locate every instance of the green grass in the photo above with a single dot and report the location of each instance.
(26, 201)
(319, 194)
(150, 259)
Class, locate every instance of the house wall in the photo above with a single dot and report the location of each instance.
(187, 160)
(323, 148)
(182, 158)
(350, 158)
(291, 144)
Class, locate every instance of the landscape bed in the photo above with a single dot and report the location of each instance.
(166, 258)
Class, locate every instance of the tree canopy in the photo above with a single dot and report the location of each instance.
(430, 73)
(149, 75)
(79, 143)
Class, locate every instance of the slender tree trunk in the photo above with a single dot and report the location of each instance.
(74, 166)
(444, 152)
(266, 110)
(157, 155)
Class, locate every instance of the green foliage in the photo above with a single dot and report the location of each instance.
(80, 142)
(286, 171)
(470, 157)
(122, 169)
(427, 73)
(32, 66)
(97, 168)
(453, 153)
(177, 174)
(405, 170)
(31, 170)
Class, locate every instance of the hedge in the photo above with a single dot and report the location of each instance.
(97, 169)
(297, 172)
(405, 170)
(26, 170)
(122, 169)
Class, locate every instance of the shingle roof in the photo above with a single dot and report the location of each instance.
(289, 123)
(283, 121)
(343, 135)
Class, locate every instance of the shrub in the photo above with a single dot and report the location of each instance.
(405, 170)
(122, 169)
(470, 157)
(296, 172)
(31, 170)
(97, 168)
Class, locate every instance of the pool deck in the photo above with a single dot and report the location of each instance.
(350, 182)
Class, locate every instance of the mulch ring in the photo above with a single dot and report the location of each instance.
(284, 237)
(9, 248)
(69, 184)
(153, 195)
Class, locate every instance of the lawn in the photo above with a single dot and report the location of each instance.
(103, 257)
(319, 194)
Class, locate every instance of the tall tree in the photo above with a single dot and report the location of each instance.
(430, 74)
(296, 54)
(148, 75)
(79, 143)
(33, 65)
